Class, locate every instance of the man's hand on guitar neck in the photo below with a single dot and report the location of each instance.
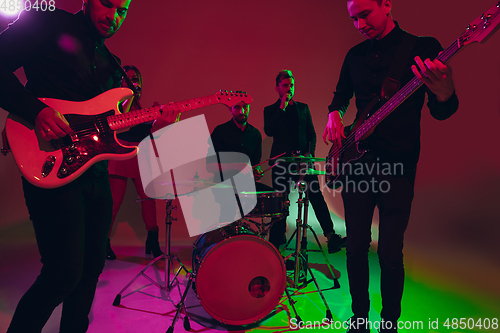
(334, 130)
(51, 124)
(168, 117)
(437, 76)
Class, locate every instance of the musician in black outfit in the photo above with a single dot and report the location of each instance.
(239, 136)
(64, 57)
(290, 124)
(393, 150)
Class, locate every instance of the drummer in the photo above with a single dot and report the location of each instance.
(236, 135)
(290, 124)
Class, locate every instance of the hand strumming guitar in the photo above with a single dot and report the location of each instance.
(51, 124)
(168, 117)
(334, 130)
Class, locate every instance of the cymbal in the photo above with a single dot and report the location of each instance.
(195, 183)
(309, 172)
(315, 172)
(300, 159)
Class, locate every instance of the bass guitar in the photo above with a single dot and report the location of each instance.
(54, 163)
(350, 150)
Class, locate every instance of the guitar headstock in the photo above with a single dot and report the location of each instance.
(482, 27)
(231, 98)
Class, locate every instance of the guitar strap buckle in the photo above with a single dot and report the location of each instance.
(5, 143)
(389, 88)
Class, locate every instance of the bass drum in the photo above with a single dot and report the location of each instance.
(240, 277)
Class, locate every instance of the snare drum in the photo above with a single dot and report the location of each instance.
(240, 278)
(269, 203)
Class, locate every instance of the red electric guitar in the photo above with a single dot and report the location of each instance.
(50, 164)
(478, 31)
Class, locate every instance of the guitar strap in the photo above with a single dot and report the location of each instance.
(392, 82)
(125, 77)
(136, 101)
(6, 147)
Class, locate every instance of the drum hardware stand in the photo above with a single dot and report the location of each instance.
(301, 245)
(168, 285)
(262, 228)
(292, 304)
(180, 306)
(301, 233)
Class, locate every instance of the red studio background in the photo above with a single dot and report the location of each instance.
(193, 48)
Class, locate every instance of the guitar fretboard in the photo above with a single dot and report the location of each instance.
(401, 95)
(477, 31)
(129, 119)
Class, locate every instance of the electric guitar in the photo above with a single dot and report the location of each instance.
(54, 163)
(350, 150)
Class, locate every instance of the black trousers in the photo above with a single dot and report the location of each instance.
(284, 183)
(392, 194)
(71, 226)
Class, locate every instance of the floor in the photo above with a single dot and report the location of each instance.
(428, 300)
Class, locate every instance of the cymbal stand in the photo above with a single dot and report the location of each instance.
(262, 227)
(181, 306)
(301, 245)
(169, 262)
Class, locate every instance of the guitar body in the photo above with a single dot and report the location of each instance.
(338, 158)
(50, 164)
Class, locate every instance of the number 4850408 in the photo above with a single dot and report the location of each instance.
(471, 323)
(14, 6)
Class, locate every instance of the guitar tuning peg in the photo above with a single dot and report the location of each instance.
(485, 17)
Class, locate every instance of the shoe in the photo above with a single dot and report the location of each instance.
(290, 265)
(358, 325)
(336, 243)
(152, 244)
(388, 327)
(110, 255)
(276, 241)
(387, 330)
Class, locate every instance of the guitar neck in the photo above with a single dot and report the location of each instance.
(129, 119)
(402, 94)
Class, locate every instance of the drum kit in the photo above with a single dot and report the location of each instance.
(237, 275)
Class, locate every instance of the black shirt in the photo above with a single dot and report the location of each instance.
(228, 137)
(396, 138)
(292, 130)
(63, 57)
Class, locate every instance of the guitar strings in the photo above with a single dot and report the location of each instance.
(135, 117)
